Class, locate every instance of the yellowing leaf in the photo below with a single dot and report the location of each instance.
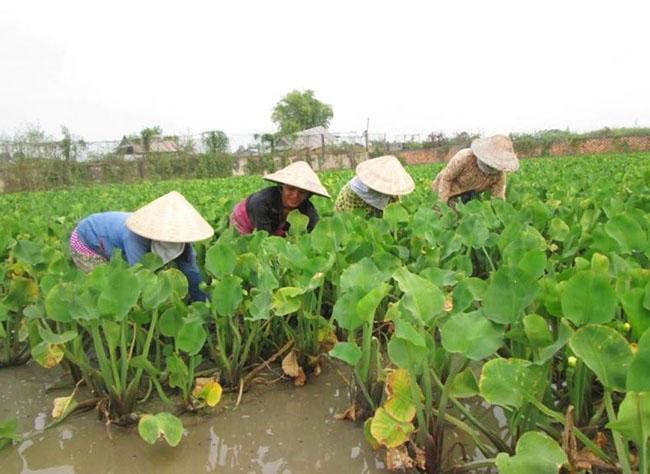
(47, 355)
(208, 390)
(351, 413)
(388, 431)
(326, 339)
(301, 379)
(400, 404)
(290, 364)
(449, 302)
(54, 357)
(61, 405)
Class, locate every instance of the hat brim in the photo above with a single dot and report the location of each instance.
(170, 218)
(299, 175)
(496, 153)
(385, 175)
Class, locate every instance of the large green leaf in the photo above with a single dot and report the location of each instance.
(536, 453)
(58, 302)
(28, 252)
(395, 214)
(191, 336)
(506, 382)
(260, 306)
(558, 229)
(537, 331)
(348, 352)
(363, 275)
(367, 305)
(464, 384)
(171, 320)
(51, 338)
(298, 222)
(627, 232)
(473, 231)
(406, 355)
(511, 290)
(467, 291)
(605, 352)
(286, 300)
(345, 310)
(422, 299)
(407, 331)
(179, 374)
(177, 280)
(472, 335)
(533, 262)
(227, 295)
(220, 260)
(588, 297)
(120, 292)
(155, 291)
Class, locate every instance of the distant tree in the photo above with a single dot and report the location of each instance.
(33, 142)
(147, 134)
(298, 111)
(32, 134)
(216, 141)
(70, 145)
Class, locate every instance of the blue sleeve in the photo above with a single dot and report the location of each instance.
(135, 246)
(187, 264)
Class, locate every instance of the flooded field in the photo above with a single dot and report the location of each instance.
(277, 428)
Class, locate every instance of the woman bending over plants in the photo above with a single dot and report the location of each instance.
(165, 226)
(482, 167)
(378, 182)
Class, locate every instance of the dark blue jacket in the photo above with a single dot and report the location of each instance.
(106, 231)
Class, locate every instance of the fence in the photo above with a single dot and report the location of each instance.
(29, 166)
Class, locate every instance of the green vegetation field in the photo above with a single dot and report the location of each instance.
(538, 305)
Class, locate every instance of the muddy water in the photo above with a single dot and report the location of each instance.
(276, 429)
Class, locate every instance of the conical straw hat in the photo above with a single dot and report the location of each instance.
(170, 218)
(386, 175)
(300, 175)
(497, 152)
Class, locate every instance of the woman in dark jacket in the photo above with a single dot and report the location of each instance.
(268, 209)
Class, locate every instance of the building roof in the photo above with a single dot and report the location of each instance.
(132, 146)
(313, 138)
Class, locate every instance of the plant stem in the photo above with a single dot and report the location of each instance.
(487, 255)
(423, 430)
(364, 390)
(621, 449)
(560, 419)
(125, 356)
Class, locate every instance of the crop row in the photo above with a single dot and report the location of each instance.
(538, 304)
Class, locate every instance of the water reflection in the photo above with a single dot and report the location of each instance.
(276, 429)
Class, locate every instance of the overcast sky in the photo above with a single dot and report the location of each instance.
(106, 69)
